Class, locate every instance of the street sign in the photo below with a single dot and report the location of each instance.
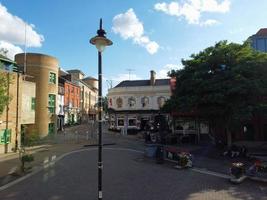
(5, 136)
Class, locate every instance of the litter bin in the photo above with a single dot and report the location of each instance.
(150, 150)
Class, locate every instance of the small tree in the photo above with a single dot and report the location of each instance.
(224, 84)
(4, 98)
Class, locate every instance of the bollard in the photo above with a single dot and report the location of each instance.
(87, 135)
(76, 135)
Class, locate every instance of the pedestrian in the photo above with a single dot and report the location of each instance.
(147, 133)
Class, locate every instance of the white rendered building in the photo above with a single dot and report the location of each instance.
(133, 103)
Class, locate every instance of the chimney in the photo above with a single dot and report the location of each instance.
(152, 77)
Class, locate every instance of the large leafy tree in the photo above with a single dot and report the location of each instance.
(225, 84)
(4, 98)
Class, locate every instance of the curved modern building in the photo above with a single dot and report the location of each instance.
(43, 70)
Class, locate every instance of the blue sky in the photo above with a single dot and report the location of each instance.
(150, 34)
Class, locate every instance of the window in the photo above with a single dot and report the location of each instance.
(33, 103)
(120, 122)
(145, 101)
(161, 101)
(119, 102)
(52, 78)
(132, 122)
(51, 103)
(131, 102)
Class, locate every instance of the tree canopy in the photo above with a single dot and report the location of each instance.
(226, 82)
(4, 98)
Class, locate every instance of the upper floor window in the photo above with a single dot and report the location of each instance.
(145, 101)
(51, 103)
(119, 102)
(131, 102)
(161, 101)
(52, 78)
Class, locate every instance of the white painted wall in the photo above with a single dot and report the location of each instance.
(28, 92)
(152, 92)
(60, 103)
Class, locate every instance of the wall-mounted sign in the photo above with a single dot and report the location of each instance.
(5, 136)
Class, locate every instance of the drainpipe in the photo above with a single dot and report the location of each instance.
(7, 110)
(17, 115)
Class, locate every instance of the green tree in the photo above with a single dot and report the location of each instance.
(4, 98)
(224, 84)
(105, 104)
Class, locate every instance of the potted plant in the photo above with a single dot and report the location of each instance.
(184, 160)
(237, 172)
(25, 158)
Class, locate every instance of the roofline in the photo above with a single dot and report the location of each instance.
(4, 58)
(90, 77)
(78, 70)
(140, 80)
(89, 86)
(38, 54)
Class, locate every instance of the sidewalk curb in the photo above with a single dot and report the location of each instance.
(212, 173)
(33, 150)
(264, 180)
(221, 175)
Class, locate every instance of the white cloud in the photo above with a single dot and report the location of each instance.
(128, 26)
(12, 30)
(12, 33)
(209, 22)
(152, 47)
(12, 50)
(162, 73)
(192, 10)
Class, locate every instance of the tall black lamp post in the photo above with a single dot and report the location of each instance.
(100, 41)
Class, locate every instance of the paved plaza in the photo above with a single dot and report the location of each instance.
(126, 176)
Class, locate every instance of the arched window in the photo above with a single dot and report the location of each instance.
(131, 102)
(119, 102)
(145, 101)
(161, 101)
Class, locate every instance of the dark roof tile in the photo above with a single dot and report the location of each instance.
(136, 83)
(262, 32)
